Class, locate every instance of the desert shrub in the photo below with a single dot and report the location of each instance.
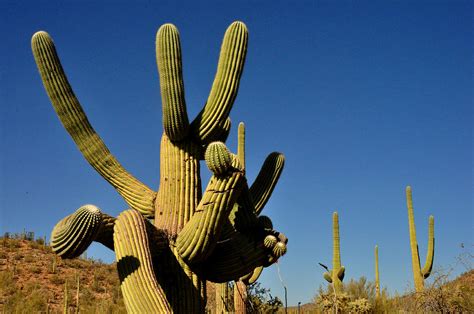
(35, 269)
(260, 300)
(56, 279)
(7, 283)
(29, 258)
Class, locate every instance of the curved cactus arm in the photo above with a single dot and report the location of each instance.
(426, 271)
(75, 121)
(240, 254)
(267, 178)
(327, 276)
(73, 234)
(253, 276)
(206, 126)
(168, 59)
(341, 272)
(199, 236)
(140, 289)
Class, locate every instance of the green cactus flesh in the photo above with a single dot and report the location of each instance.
(216, 235)
(419, 274)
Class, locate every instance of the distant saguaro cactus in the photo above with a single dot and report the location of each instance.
(419, 274)
(377, 278)
(215, 235)
(336, 274)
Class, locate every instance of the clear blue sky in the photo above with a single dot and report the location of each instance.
(363, 98)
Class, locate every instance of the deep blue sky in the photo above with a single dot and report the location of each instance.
(363, 98)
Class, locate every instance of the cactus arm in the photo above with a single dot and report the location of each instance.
(341, 272)
(253, 276)
(73, 118)
(73, 234)
(206, 126)
(327, 276)
(426, 271)
(199, 236)
(266, 180)
(141, 291)
(241, 144)
(241, 254)
(168, 59)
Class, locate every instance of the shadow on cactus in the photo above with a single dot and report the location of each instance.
(171, 241)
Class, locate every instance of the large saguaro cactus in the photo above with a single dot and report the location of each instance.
(419, 274)
(195, 236)
(336, 274)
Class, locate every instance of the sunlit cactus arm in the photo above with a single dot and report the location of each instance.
(199, 236)
(253, 276)
(224, 90)
(75, 121)
(426, 271)
(327, 276)
(267, 178)
(168, 59)
(140, 289)
(73, 234)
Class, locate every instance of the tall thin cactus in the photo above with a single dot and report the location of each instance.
(336, 274)
(419, 274)
(66, 299)
(216, 235)
(377, 278)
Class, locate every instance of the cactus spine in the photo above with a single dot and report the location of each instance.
(216, 235)
(377, 279)
(336, 274)
(419, 274)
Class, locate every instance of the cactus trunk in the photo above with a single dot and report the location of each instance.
(240, 297)
(222, 298)
(336, 253)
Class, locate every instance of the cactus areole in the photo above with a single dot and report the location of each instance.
(215, 235)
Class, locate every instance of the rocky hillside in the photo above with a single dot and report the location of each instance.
(33, 279)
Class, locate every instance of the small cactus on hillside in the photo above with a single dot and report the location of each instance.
(377, 279)
(419, 274)
(336, 274)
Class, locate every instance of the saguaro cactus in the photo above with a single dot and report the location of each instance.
(336, 274)
(195, 236)
(419, 274)
(377, 279)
